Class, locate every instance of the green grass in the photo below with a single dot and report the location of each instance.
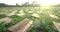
(2, 16)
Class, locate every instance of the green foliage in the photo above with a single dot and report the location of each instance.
(3, 27)
(44, 26)
(15, 19)
(2, 16)
(43, 23)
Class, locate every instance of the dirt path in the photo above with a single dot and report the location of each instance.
(57, 25)
(5, 20)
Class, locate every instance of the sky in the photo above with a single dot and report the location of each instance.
(49, 1)
(13, 2)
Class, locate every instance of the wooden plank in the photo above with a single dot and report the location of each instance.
(57, 25)
(19, 25)
(25, 28)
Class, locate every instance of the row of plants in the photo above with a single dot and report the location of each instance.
(43, 23)
(15, 20)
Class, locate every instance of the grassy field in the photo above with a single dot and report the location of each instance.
(42, 18)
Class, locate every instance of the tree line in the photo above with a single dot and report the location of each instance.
(27, 4)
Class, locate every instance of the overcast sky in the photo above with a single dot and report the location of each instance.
(13, 2)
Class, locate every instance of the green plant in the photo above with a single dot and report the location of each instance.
(2, 16)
